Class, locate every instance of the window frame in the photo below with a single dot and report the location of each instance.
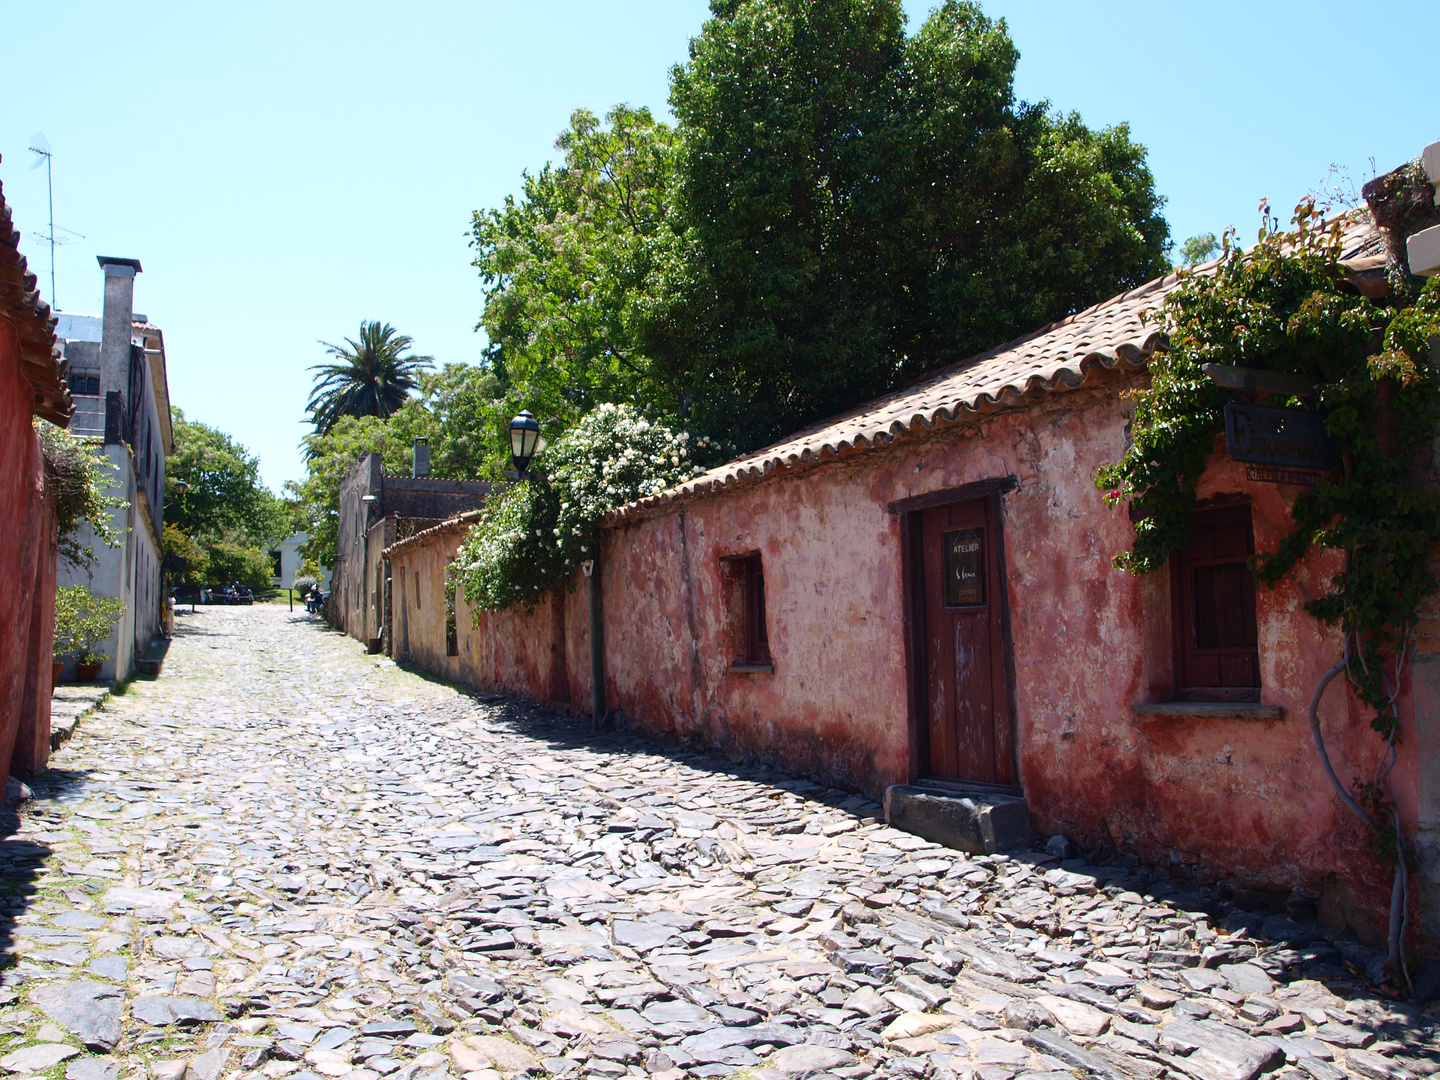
(1187, 653)
(748, 615)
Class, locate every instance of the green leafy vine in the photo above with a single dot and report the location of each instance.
(1286, 305)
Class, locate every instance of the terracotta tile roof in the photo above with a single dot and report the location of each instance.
(40, 362)
(1119, 333)
(459, 523)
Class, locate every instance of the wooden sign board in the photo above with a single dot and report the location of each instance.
(1291, 439)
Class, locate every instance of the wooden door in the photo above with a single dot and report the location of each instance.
(967, 708)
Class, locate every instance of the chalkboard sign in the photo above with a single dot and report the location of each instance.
(1291, 438)
(964, 567)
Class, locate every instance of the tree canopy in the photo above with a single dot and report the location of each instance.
(226, 516)
(373, 376)
(840, 208)
(224, 496)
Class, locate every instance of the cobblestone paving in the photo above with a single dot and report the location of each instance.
(286, 858)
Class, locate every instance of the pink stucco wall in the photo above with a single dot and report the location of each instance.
(542, 653)
(1237, 797)
(27, 573)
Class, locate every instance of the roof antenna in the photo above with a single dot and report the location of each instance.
(41, 148)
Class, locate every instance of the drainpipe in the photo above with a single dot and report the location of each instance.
(591, 568)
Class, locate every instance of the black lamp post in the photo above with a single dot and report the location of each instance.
(525, 441)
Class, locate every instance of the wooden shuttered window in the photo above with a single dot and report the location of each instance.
(1217, 656)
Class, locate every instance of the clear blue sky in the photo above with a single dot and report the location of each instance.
(286, 170)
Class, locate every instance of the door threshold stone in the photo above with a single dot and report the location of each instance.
(979, 821)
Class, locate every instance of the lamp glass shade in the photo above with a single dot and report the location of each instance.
(524, 438)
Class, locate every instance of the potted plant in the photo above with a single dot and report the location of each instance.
(82, 621)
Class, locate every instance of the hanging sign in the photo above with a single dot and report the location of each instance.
(1285, 438)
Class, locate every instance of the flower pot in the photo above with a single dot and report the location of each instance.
(87, 672)
(55, 669)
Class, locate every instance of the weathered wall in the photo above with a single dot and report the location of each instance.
(27, 573)
(130, 572)
(544, 654)
(1238, 797)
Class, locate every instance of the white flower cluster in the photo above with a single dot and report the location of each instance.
(539, 532)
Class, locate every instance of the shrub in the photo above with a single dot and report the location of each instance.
(82, 620)
(197, 559)
(249, 566)
(532, 537)
(77, 475)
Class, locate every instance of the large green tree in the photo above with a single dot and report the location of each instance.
(859, 206)
(371, 377)
(224, 497)
(570, 268)
(225, 518)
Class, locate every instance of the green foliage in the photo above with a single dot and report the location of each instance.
(230, 562)
(1283, 306)
(460, 409)
(569, 269)
(224, 497)
(303, 583)
(1198, 249)
(855, 207)
(839, 208)
(534, 536)
(77, 474)
(197, 559)
(332, 455)
(82, 620)
(373, 376)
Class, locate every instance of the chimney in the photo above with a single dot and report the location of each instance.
(116, 330)
(422, 458)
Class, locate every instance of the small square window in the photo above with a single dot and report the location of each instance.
(84, 383)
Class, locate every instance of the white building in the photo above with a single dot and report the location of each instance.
(116, 371)
(287, 559)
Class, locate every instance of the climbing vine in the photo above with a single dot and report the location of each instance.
(1286, 305)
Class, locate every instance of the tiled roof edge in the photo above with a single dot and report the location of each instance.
(40, 363)
(759, 467)
(458, 523)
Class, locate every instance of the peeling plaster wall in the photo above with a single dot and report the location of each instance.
(542, 654)
(1222, 797)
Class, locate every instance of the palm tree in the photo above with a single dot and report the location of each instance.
(372, 378)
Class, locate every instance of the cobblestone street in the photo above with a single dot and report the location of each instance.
(287, 858)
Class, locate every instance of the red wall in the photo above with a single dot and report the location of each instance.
(1239, 797)
(27, 574)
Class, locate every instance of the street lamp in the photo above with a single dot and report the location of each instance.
(525, 441)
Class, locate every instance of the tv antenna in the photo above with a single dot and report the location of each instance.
(41, 148)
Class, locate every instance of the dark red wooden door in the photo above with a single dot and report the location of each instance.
(967, 714)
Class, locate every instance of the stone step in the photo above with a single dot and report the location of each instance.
(979, 819)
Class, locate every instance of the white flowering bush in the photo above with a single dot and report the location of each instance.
(535, 535)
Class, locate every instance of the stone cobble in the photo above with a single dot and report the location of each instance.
(286, 858)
